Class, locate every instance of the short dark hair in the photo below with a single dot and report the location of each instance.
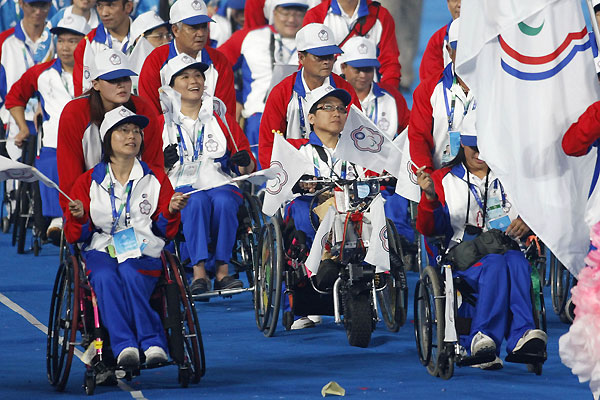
(107, 150)
(185, 69)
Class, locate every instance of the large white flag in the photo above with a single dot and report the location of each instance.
(362, 143)
(530, 66)
(313, 261)
(289, 165)
(378, 253)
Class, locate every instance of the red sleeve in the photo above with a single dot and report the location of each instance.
(149, 81)
(582, 134)
(432, 62)
(388, 50)
(426, 210)
(420, 126)
(79, 229)
(78, 68)
(167, 223)
(254, 15)
(24, 89)
(153, 145)
(401, 106)
(69, 152)
(274, 118)
(232, 48)
(317, 14)
(224, 88)
(238, 136)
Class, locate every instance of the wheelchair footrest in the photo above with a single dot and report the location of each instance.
(464, 361)
(527, 358)
(221, 292)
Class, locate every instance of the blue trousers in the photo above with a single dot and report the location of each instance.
(123, 291)
(396, 209)
(46, 163)
(503, 309)
(251, 129)
(210, 217)
(299, 210)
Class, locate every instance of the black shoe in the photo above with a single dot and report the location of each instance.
(200, 286)
(228, 282)
(106, 378)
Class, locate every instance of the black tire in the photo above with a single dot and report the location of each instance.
(192, 335)
(63, 324)
(268, 276)
(358, 318)
(393, 298)
(36, 246)
(89, 381)
(560, 285)
(429, 319)
(184, 377)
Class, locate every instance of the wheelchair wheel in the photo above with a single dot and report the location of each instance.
(429, 320)
(560, 285)
(193, 347)
(393, 298)
(358, 318)
(89, 381)
(22, 215)
(268, 275)
(63, 324)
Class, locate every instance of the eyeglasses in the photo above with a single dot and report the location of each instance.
(331, 108)
(124, 130)
(43, 5)
(160, 36)
(295, 14)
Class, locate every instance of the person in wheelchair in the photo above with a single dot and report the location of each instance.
(327, 117)
(203, 149)
(121, 244)
(460, 201)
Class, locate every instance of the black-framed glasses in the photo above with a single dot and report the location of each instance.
(331, 108)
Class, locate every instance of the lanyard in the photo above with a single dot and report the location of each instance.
(280, 53)
(374, 112)
(317, 168)
(199, 146)
(110, 42)
(301, 112)
(450, 108)
(481, 204)
(117, 214)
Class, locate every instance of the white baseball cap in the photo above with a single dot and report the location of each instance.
(178, 64)
(111, 64)
(359, 52)
(190, 12)
(145, 22)
(317, 39)
(73, 23)
(119, 116)
(453, 33)
(326, 91)
(270, 6)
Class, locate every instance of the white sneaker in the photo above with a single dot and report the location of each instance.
(301, 323)
(315, 318)
(482, 344)
(128, 357)
(155, 355)
(490, 366)
(533, 341)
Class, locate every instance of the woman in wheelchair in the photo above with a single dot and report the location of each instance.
(460, 201)
(203, 149)
(121, 244)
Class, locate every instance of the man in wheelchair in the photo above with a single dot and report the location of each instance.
(463, 201)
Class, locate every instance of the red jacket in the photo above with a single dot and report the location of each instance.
(582, 134)
(275, 116)
(150, 82)
(387, 47)
(73, 124)
(254, 15)
(432, 62)
(25, 88)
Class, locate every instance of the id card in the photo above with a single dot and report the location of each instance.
(497, 218)
(126, 244)
(188, 173)
(452, 147)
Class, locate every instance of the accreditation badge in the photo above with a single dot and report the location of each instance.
(126, 244)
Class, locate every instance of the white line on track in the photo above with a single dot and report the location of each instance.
(136, 394)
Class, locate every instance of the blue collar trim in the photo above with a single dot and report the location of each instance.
(448, 76)
(363, 8)
(101, 34)
(377, 91)
(99, 171)
(57, 65)
(459, 171)
(314, 139)
(299, 87)
(19, 33)
(173, 53)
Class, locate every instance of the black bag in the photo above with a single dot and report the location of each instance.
(467, 253)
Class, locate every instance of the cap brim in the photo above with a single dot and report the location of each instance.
(292, 4)
(468, 140)
(341, 94)
(57, 30)
(138, 120)
(325, 50)
(363, 63)
(196, 20)
(119, 73)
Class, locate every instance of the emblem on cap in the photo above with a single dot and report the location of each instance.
(187, 59)
(86, 73)
(196, 5)
(115, 59)
(362, 49)
(323, 35)
(123, 112)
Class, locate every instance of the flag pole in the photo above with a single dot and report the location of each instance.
(49, 182)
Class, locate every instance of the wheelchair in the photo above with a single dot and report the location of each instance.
(436, 315)
(561, 283)
(250, 221)
(74, 327)
(354, 290)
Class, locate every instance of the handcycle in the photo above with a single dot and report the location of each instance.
(74, 326)
(351, 288)
(437, 323)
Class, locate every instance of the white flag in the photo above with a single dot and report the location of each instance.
(406, 185)
(530, 66)
(11, 169)
(362, 143)
(316, 251)
(289, 165)
(378, 253)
